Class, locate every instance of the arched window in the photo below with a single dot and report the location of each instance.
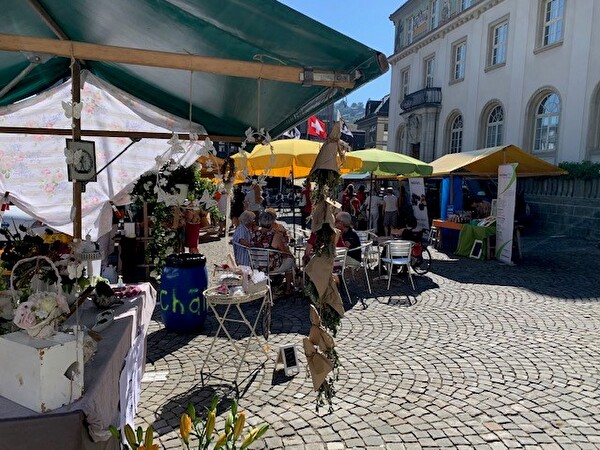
(401, 142)
(456, 134)
(547, 118)
(593, 144)
(494, 132)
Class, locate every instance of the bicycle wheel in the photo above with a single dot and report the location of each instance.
(422, 264)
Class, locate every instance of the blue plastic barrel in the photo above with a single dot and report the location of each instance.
(182, 305)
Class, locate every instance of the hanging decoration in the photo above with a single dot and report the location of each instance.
(72, 109)
(175, 145)
(255, 137)
(321, 287)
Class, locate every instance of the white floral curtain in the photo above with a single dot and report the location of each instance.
(33, 167)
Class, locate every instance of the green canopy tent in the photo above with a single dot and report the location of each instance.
(255, 63)
(228, 65)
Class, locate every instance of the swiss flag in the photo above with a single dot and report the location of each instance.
(316, 127)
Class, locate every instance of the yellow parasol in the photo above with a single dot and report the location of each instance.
(291, 156)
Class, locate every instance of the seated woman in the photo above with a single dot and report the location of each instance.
(242, 237)
(270, 237)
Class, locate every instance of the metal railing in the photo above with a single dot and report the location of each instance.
(562, 187)
(430, 96)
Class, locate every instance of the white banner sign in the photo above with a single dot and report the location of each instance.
(418, 202)
(505, 215)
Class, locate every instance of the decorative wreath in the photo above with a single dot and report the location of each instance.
(228, 170)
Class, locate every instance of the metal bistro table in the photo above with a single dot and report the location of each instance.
(231, 304)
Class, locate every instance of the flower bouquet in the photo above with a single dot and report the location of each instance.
(38, 315)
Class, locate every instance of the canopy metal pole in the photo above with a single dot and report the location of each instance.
(77, 185)
(371, 202)
(293, 202)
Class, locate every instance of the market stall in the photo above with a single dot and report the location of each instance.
(192, 76)
(111, 377)
(506, 163)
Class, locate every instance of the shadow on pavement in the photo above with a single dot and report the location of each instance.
(201, 397)
(557, 266)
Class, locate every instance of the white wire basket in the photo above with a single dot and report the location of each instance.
(38, 315)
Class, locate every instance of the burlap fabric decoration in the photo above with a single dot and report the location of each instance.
(328, 154)
(322, 213)
(319, 271)
(318, 364)
(317, 334)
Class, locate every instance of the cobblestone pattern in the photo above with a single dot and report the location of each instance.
(482, 355)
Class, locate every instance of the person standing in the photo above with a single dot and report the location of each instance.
(237, 205)
(371, 208)
(390, 211)
(360, 195)
(346, 197)
(253, 199)
(305, 204)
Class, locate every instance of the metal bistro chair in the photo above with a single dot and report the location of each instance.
(259, 260)
(339, 266)
(372, 252)
(365, 252)
(397, 253)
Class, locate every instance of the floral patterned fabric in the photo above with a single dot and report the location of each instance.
(33, 167)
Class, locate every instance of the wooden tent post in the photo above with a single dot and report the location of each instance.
(77, 185)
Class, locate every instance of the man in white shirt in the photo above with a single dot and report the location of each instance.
(390, 211)
(253, 199)
(371, 208)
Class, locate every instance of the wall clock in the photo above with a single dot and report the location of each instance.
(82, 165)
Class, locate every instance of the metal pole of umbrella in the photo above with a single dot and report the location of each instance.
(293, 203)
(371, 203)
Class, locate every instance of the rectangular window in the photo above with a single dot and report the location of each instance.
(465, 4)
(428, 69)
(404, 80)
(459, 53)
(409, 30)
(553, 21)
(498, 44)
(434, 13)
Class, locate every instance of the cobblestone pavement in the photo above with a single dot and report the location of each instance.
(482, 355)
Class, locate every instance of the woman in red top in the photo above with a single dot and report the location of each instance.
(360, 195)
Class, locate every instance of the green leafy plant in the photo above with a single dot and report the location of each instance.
(326, 182)
(136, 440)
(199, 433)
(584, 170)
(165, 237)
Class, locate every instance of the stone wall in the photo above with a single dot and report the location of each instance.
(559, 205)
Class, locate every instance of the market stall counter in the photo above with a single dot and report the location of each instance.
(440, 225)
(112, 380)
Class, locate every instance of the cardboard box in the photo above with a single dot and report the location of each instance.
(41, 374)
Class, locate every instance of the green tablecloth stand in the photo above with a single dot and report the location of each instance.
(469, 234)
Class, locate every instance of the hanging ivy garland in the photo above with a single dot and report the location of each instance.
(165, 219)
(325, 174)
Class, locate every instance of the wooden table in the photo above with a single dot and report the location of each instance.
(440, 224)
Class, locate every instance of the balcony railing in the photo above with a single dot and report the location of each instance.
(431, 96)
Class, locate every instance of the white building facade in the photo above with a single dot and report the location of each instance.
(469, 74)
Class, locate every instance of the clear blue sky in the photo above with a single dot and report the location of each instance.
(366, 21)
